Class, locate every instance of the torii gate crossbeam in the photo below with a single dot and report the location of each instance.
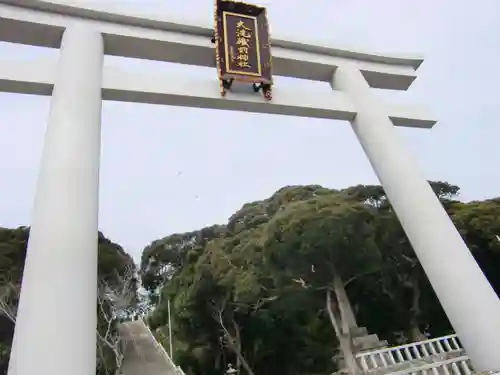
(56, 319)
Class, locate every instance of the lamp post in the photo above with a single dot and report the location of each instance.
(170, 331)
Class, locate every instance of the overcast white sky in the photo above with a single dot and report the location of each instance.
(168, 169)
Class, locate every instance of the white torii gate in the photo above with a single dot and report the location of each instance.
(55, 330)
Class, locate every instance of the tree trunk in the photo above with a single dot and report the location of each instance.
(345, 307)
(217, 362)
(237, 342)
(118, 358)
(239, 355)
(344, 337)
(415, 332)
(234, 345)
(222, 356)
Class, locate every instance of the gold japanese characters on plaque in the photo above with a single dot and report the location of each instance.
(243, 53)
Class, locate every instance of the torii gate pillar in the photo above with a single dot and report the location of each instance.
(55, 331)
(467, 297)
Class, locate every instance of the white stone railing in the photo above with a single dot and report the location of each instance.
(442, 355)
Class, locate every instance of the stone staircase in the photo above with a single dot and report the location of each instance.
(143, 355)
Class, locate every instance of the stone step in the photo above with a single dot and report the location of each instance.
(362, 341)
(369, 342)
(359, 331)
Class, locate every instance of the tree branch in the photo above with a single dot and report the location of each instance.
(355, 277)
(233, 345)
(9, 293)
(114, 302)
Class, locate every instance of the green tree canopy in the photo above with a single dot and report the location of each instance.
(252, 292)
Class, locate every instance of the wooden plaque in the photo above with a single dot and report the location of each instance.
(242, 45)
